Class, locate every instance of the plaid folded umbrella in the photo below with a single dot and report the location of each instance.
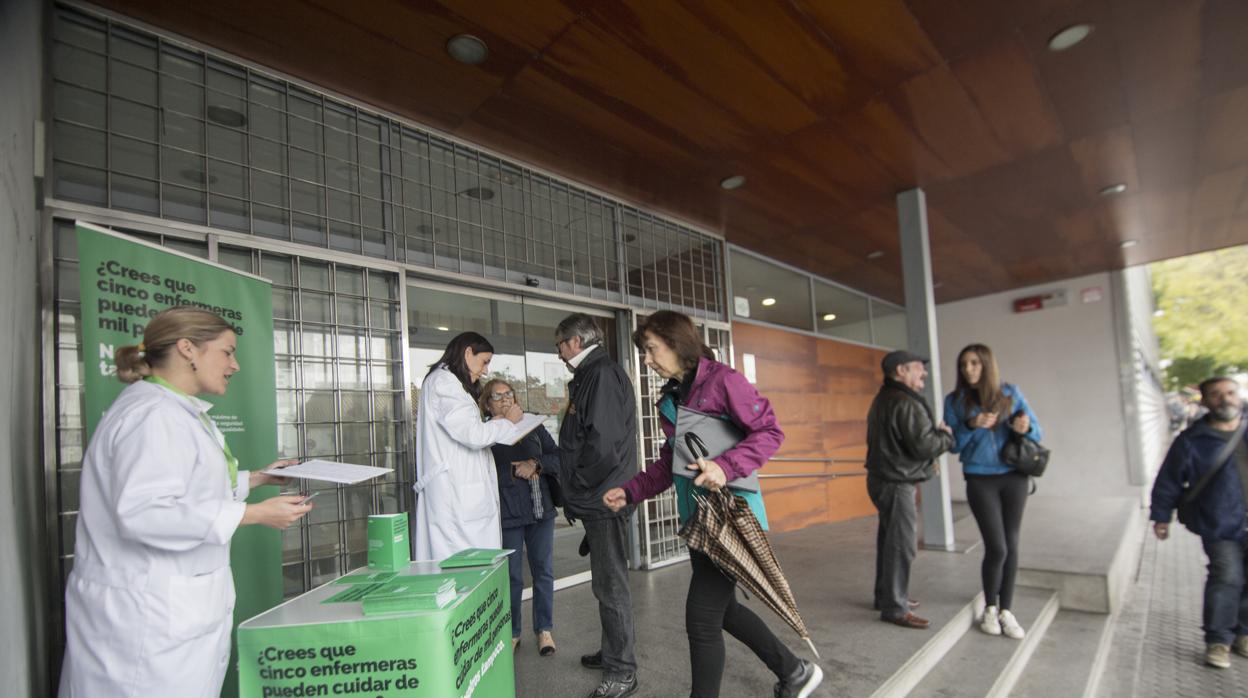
(725, 530)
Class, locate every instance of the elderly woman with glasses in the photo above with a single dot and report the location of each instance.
(528, 492)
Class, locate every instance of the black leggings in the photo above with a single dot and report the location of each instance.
(710, 609)
(997, 501)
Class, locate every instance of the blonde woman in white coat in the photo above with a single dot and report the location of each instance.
(456, 483)
(149, 603)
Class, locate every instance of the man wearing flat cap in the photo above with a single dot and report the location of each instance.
(903, 441)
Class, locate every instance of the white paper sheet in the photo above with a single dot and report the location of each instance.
(528, 423)
(330, 471)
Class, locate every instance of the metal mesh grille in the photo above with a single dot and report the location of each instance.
(143, 124)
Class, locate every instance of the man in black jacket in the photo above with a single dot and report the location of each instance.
(598, 451)
(903, 441)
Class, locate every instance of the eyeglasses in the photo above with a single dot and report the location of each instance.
(560, 343)
(499, 397)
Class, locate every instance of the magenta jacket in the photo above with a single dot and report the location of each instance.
(718, 390)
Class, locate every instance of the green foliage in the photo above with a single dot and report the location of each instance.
(1202, 325)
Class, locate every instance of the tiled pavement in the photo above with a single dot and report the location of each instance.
(1158, 645)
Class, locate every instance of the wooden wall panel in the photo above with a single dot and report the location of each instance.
(821, 390)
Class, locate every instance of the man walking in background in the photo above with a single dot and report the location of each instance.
(598, 451)
(903, 441)
(1211, 458)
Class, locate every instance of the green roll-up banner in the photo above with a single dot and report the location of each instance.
(124, 282)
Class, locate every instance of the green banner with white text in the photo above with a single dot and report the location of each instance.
(124, 282)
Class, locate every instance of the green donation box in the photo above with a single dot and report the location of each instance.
(323, 643)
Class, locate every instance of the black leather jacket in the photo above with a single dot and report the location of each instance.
(598, 436)
(902, 439)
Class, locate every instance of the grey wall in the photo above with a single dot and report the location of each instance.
(27, 593)
(1066, 361)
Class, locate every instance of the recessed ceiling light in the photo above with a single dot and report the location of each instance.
(442, 328)
(829, 317)
(1113, 189)
(875, 255)
(1128, 243)
(732, 182)
(1069, 36)
(769, 301)
(467, 49)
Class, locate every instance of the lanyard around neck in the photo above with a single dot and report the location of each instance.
(230, 461)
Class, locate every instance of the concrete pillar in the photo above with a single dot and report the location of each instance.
(916, 268)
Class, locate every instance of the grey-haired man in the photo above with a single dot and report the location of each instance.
(598, 451)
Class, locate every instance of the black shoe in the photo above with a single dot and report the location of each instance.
(616, 688)
(802, 682)
(592, 661)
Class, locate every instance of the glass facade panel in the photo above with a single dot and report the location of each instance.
(889, 323)
(841, 313)
(770, 293)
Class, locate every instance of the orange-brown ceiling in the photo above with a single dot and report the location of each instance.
(828, 108)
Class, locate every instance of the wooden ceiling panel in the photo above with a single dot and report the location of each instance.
(1106, 158)
(1224, 25)
(1003, 83)
(1214, 207)
(1085, 82)
(959, 27)
(881, 39)
(1166, 149)
(685, 47)
(828, 108)
(1160, 44)
(947, 120)
(1224, 130)
(879, 129)
(603, 66)
(783, 43)
(531, 25)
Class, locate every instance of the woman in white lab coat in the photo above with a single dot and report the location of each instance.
(149, 603)
(456, 485)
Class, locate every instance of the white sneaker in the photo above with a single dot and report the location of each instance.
(1010, 626)
(990, 622)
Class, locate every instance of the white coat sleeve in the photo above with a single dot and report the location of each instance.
(461, 418)
(154, 501)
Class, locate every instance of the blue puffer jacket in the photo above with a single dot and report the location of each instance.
(515, 495)
(1220, 506)
(980, 449)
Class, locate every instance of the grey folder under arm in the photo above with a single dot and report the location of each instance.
(718, 434)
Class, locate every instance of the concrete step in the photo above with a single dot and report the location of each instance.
(986, 665)
(1070, 658)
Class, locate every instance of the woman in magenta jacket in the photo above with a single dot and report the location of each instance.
(673, 349)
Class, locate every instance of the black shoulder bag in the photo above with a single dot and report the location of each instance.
(1023, 454)
(1187, 501)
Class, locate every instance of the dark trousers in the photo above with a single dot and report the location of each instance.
(1226, 604)
(537, 542)
(895, 544)
(997, 502)
(711, 608)
(608, 561)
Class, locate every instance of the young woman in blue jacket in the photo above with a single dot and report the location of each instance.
(982, 411)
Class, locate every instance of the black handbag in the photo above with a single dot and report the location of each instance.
(1187, 501)
(1024, 455)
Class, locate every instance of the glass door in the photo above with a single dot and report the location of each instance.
(522, 332)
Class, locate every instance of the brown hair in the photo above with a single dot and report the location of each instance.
(484, 400)
(162, 334)
(678, 333)
(988, 393)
